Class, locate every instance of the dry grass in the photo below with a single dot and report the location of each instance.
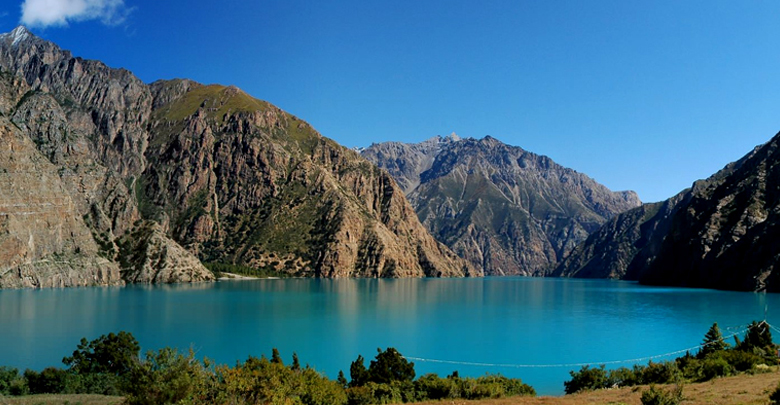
(743, 389)
(57, 399)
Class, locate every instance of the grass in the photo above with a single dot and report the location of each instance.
(218, 100)
(61, 399)
(742, 389)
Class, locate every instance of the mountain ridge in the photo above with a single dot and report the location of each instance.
(117, 143)
(715, 234)
(505, 209)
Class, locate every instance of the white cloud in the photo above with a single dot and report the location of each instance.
(44, 13)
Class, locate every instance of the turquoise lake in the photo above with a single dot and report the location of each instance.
(508, 325)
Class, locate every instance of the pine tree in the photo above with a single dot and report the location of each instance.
(358, 373)
(341, 379)
(275, 357)
(296, 365)
(713, 341)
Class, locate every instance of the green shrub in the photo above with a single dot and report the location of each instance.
(657, 396)
(18, 387)
(165, 377)
(431, 386)
(621, 377)
(659, 373)
(715, 367)
(586, 379)
(93, 383)
(505, 387)
(318, 389)
(360, 395)
(7, 376)
(49, 381)
(741, 360)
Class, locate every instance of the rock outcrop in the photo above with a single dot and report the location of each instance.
(240, 181)
(720, 233)
(43, 240)
(227, 178)
(504, 209)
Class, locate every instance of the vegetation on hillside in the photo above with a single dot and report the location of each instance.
(754, 354)
(112, 365)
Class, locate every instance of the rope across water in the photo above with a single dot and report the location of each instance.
(635, 360)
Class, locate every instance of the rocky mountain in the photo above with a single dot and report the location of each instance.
(721, 233)
(150, 180)
(505, 209)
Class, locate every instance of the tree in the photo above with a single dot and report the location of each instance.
(759, 337)
(342, 380)
(275, 357)
(357, 373)
(713, 342)
(390, 366)
(113, 354)
(296, 365)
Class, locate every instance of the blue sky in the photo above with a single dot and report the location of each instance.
(647, 96)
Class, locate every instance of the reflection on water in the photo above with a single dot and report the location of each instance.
(523, 321)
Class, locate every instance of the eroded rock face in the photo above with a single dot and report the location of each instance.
(150, 257)
(721, 233)
(229, 178)
(43, 240)
(506, 210)
(241, 181)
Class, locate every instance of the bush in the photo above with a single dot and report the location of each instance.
(49, 381)
(165, 377)
(659, 373)
(93, 383)
(621, 377)
(18, 387)
(360, 396)
(741, 360)
(431, 386)
(657, 396)
(586, 379)
(7, 376)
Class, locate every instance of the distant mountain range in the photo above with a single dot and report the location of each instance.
(106, 180)
(506, 210)
(723, 232)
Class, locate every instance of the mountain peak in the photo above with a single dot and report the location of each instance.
(18, 34)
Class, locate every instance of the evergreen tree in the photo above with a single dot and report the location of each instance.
(275, 357)
(390, 366)
(358, 373)
(713, 342)
(342, 380)
(296, 365)
(758, 337)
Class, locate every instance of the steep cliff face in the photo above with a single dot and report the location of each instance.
(161, 176)
(240, 181)
(43, 240)
(89, 121)
(720, 234)
(506, 210)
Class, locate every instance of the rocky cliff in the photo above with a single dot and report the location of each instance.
(720, 233)
(226, 178)
(505, 209)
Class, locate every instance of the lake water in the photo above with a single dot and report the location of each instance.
(508, 325)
